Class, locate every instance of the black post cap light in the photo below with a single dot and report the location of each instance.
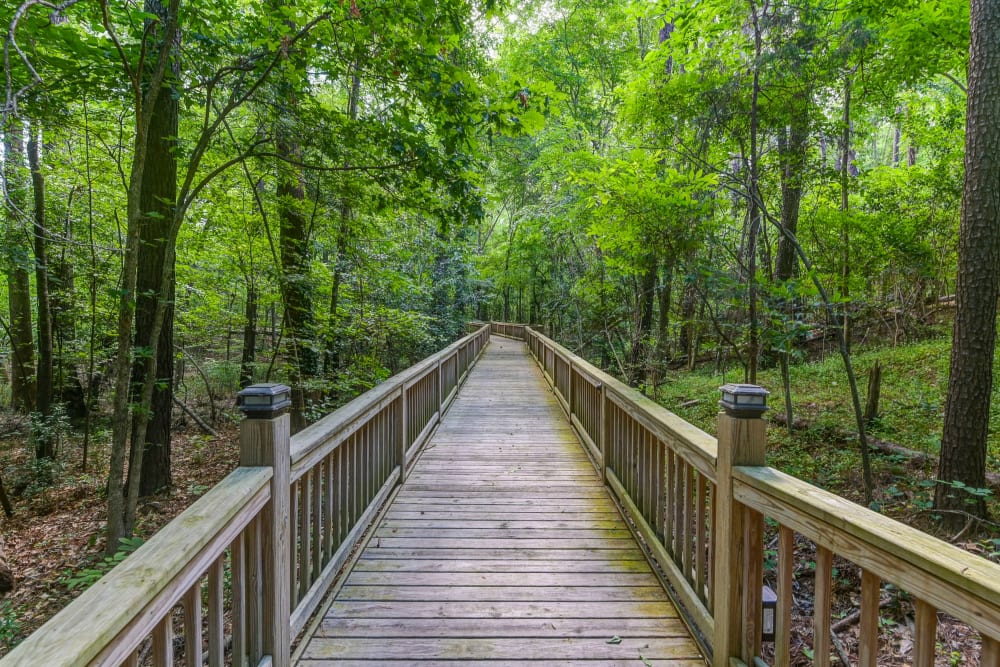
(265, 400)
(743, 400)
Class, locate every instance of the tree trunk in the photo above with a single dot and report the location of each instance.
(845, 236)
(792, 148)
(44, 442)
(18, 259)
(296, 282)
(158, 202)
(331, 359)
(753, 206)
(644, 322)
(897, 136)
(121, 508)
(967, 406)
(665, 302)
(249, 336)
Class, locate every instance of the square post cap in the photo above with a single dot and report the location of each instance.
(265, 400)
(743, 400)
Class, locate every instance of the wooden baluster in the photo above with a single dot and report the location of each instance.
(603, 426)
(401, 440)
(677, 507)
(132, 660)
(821, 610)
(216, 597)
(238, 589)
(701, 539)
(713, 540)
(660, 489)
(990, 655)
(689, 521)
(742, 441)
(305, 534)
(254, 585)
(192, 626)
(293, 541)
(868, 627)
(570, 391)
(649, 475)
(163, 642)
(783, 612)
(670, 526)
(440, 398)
(753, 580)
(343, 492)
(358, 479)
(925, 634)
(329, 507)
(318, 520)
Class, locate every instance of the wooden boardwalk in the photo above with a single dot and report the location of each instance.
(502, 548)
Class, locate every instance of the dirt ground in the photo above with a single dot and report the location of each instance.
(57, 530)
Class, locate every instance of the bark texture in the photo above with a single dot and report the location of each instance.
(967, 406)
(44, 443)
(17, 260)
(157, 201)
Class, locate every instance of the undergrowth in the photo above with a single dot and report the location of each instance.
(823, 448)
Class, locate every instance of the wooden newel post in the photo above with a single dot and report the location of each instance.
(742, 436)
(265, 440)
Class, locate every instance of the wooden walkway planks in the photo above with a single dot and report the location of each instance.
(502, 548)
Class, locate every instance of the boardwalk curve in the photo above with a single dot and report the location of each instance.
(502, 548)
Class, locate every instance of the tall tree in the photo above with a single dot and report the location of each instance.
(44, 443)
(157, 209)
(17, 261)
(296, 283)
(970, 384)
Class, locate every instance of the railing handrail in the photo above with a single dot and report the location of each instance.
(696, 504)
(702, 446)
(909, 558)
(94, 625)
(338, 423)
(285, 552)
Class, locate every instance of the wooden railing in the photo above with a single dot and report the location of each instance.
(239, 573)
(508, 330)
(659, 467)
(699, 505)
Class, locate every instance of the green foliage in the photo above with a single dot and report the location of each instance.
(86, 577)
(10, 624)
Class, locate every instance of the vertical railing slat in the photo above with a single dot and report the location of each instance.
(783, 612)
(216, 598)
(821, 611)
(925, 634)
(868, 627)
(192, 627)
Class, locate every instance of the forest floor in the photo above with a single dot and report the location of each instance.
(57, 532)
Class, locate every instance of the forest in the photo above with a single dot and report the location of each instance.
(203, 194)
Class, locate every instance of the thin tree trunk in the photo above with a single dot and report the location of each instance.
(330, 358)
(845, 235)
(249, 335)
(44, 443)
(753, 213)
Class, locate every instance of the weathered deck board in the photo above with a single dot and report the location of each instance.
(502, 547)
